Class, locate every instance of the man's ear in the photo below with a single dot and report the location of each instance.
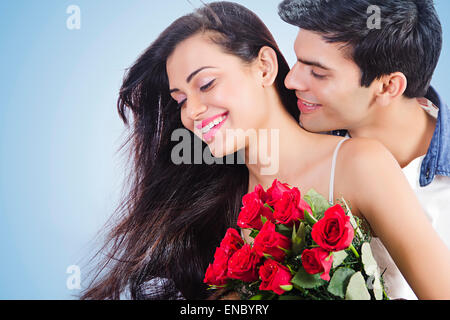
(267, 65)
(391, 87)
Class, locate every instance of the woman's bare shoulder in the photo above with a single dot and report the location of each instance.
(365, 168)
(364, 154)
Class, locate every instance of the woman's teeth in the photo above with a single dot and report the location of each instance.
(213, 123)
(309, 104)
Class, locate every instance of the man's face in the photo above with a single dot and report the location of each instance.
(327, 84)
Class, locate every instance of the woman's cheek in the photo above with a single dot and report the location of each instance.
(187, 123)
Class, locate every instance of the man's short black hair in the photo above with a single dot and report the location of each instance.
(408, 40)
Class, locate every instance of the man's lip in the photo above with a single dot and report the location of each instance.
(208, 121)
(307, 109)
(303, 100)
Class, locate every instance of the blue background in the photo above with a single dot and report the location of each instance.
(60, 173)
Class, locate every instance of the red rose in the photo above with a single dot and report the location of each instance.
(251, 212)
(333, 232)
(259, 190)
(304, 206)
(274, 275)
(216, 274)
(269, 241)
(213, 278)
(231, 242)
(275, 192)
(287, 208)
(317, 260)
(243, 265)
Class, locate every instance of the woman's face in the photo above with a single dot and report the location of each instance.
(220, 97)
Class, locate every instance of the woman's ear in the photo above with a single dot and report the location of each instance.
(391, 87)
(267, 66)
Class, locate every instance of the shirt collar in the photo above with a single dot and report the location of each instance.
(437, 159)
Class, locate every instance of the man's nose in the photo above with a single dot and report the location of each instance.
(295, 79)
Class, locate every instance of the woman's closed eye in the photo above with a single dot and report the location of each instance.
(180, 104)
(208, 85)
(202, 88)
(180, 101)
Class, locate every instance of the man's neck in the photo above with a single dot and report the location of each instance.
(404, 128)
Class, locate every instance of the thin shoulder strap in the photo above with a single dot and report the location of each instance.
(333, 168)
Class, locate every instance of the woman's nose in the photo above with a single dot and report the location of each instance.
(195, 108)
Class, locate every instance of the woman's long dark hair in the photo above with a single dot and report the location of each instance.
(175, 215)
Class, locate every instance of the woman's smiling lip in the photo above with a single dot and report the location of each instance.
(210, 133)
(208, 121)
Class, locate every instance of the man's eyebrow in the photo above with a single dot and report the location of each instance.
(314, 63)
(189, 78)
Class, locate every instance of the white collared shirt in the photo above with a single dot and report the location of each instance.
(435, 200)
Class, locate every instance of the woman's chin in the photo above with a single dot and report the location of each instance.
(220, 150)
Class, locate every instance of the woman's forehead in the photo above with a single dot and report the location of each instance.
(194, 53)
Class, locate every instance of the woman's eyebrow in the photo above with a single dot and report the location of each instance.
(189, 78)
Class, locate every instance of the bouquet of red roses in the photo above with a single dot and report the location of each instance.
(301, 248)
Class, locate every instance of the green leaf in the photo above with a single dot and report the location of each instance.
(377, 287)
(294, 233)
(263, 219)
(356, 289)
(371, 269)
(369, 262)
(309, 218)
(338, 258)
(254, 233)
(317, 202)
(257, 297)
(339, 281)
(287, 287)
(286, 251)
(284, 230)
(298, 239)
(305, 280)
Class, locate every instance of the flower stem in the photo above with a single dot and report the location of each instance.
(351, 247)
(267, 206)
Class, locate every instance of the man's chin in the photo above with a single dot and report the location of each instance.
(314, 127)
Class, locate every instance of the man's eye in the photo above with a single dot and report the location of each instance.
(318, 76)
(208, 85)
